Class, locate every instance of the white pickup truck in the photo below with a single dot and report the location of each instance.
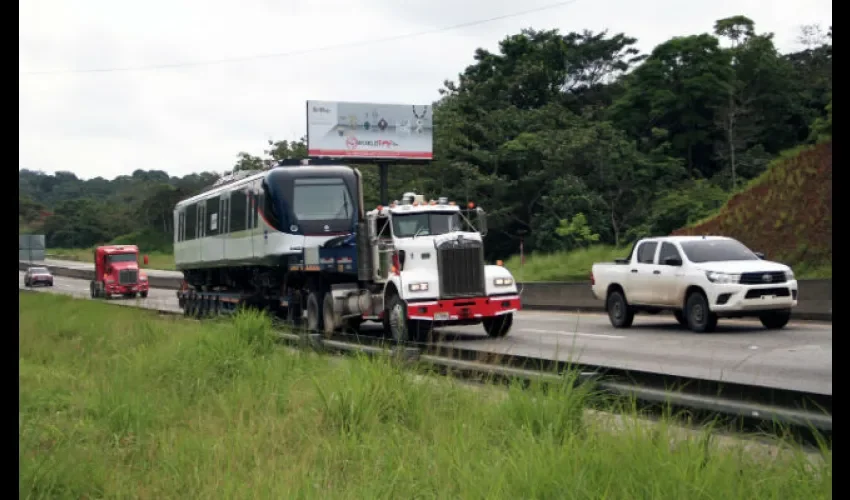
(699, 278)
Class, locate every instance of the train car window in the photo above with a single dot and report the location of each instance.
(269, 208)
(238, 211)
(212, 218)
(180, 225)
(223, 215)
(255, 206)
(202, 219)
(190, 222)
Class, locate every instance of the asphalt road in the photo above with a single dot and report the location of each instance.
(797, 357)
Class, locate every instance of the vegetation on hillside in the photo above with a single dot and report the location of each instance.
(118, 402)
(567, 140)
(786, 212)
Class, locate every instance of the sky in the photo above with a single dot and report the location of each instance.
(185, 115)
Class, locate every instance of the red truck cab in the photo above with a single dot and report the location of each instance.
(116, 271)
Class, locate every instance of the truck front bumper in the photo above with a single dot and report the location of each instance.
(126, 289)
(472, 309)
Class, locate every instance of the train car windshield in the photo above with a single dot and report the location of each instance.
(326, 201)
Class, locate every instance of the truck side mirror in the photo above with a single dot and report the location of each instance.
(481, 217)
(760, 255)
(145, 259)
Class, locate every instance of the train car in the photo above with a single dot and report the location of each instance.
(248, 233)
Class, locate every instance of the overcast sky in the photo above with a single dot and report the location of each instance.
(197, 117)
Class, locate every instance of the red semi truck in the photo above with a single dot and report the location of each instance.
(116, 271)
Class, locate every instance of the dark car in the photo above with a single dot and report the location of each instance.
(38, 275)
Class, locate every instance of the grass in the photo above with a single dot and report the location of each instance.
(156, 260)
(120, 402)
(563, 266)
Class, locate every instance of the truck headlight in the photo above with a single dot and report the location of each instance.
(418, 287)
(789, 275)
(722, 278)
(143, 278)
(503, 281)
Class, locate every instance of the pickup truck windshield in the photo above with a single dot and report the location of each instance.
(424, 224)
(121, 257)
(717, 251)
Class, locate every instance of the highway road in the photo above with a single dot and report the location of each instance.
(798, 357)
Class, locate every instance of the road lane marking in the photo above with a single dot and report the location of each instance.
(580, 334)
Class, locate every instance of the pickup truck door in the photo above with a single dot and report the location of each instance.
(640, 281)
(668, 278)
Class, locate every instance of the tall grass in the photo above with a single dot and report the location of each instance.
(119, 402)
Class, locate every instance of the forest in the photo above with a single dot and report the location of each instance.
(566, 140)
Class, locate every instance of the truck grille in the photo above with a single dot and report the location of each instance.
(763, 278)
(461, 269)
(127, 276)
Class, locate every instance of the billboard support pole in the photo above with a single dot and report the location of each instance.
(383, 174)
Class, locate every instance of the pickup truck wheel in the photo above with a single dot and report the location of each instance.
(619, 311)
(680, 317)
(699, 316)
(775, 320)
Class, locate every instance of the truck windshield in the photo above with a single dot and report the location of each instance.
(717, 251)
(424, 224)
(325, 199)
(121, 257)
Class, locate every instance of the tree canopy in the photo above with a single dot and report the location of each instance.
(564, 139)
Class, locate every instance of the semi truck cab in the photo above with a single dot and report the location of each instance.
(430, 257)
(116, 271)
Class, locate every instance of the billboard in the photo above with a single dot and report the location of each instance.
(369, 131)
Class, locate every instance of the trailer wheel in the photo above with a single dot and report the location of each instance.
(498, 326)
(314, 312)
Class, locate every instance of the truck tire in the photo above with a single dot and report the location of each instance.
(328, 315)
(699, 316)
(401, 328)
(775, 320)
(680, 317)
(498, 326)
(144, 295)
(620, 313)
(314, 311)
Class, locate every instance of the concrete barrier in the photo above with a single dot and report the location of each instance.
(815, 295)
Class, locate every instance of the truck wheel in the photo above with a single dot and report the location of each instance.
(314, 312)
(144, 295)
(620, 313)
(399, 324)
(699, 316)
(680, 317)
(775, 320)
(328, 315)
(498, 326)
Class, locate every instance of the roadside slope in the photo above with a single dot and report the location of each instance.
(785, 213)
